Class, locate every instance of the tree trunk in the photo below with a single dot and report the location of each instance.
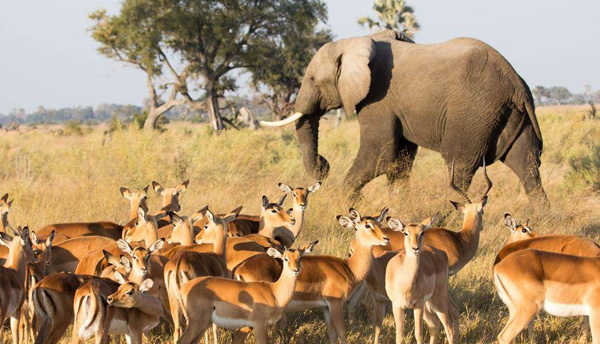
(213, 110)
(150, 123)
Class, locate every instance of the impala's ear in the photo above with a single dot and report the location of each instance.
(8, 205)
(526, 223)
(146, 190)
(354, 74)
(50, 238)
(4, 198)
(345, 221)
(285, 188)
(141, 213)
(124, 246)
(428, 223)
(125, 192)
(309, 248)
(126, 263)
(119, 278)
(316, 186)
(112, 260)
(381, 216)
(183, 186)
(146, 285)
(34, 238)
(157, 245)
(510, 222)
(395, 224)
(176, 219)
(281, 200)
(265, 202)
(354, 215)
(210, 216)
(232, 215)
(157, 187)
(458, 206)
(200, 214)
(275, 253)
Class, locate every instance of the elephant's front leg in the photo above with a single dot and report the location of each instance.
(378, 152)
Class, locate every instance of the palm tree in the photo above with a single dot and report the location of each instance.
(392, 14)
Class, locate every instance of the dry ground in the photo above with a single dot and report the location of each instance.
(77, 178)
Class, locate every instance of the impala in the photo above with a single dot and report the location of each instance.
(327, 282)
(187, 265)
(170, 199)
(518, 232)
(137, 199)
(417, 278)
(5, 205)
(127, 310)
(52, 300)
(12, 278)
(562, 285)
(235, 304)
(144, 227)
(286, 235)
(35, 272)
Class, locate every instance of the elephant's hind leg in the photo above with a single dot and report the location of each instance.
(523, 159)
(403, 162)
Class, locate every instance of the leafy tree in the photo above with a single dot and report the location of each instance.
(392, 14)
(560, 94)
(132, 37)
(280, 62)
(539, 92)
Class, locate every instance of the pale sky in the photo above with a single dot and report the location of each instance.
(48, 58)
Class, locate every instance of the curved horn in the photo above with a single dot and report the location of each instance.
(487, 180)
(455, 188)
(291, 119)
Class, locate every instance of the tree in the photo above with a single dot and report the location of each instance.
(279, 64)
(539, 92)
(559, 94)
(392, 14)
(132, 37)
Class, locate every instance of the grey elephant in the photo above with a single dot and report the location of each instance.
(460, 98)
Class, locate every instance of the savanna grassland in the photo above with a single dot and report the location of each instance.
(77, 178)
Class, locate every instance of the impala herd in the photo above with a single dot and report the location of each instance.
(239, 272)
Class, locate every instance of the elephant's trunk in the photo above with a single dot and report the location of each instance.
(307, 131)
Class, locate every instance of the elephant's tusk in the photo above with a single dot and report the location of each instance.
(290, 119)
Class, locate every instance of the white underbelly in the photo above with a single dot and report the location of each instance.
(230, 323)
(302, 305)
(565, 310)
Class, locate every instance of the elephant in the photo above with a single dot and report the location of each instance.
(461, 98)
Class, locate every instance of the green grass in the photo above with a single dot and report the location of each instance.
(57, 178)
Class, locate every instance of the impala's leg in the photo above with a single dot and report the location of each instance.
(433, 323)
(260, 332)
(336, 308)
(594, 319)
(379, 314)
(354, 302)
(399, 320)
(418, 312)
(14, 326)
(240, 335)
(330, 328)
(194, 330)
(517, 321)
(445, 319)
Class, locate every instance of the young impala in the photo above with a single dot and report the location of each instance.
(518, 232)
(417, 278)
(137, 199)
(235, 304)
(5, 205)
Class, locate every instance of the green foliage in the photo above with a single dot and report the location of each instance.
(280, 63)
(392, 14)
(140, 118)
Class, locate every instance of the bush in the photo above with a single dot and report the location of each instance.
(73, 128)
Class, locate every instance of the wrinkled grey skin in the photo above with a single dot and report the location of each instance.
(460, 98)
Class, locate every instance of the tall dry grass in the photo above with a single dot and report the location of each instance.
(77, 178)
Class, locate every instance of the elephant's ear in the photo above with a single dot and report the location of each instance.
(354, 74)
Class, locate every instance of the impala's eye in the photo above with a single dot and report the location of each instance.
(405, 233)
(205, 226)
(286, 259)
(274, 211)
(524, 230)
(130, 292)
